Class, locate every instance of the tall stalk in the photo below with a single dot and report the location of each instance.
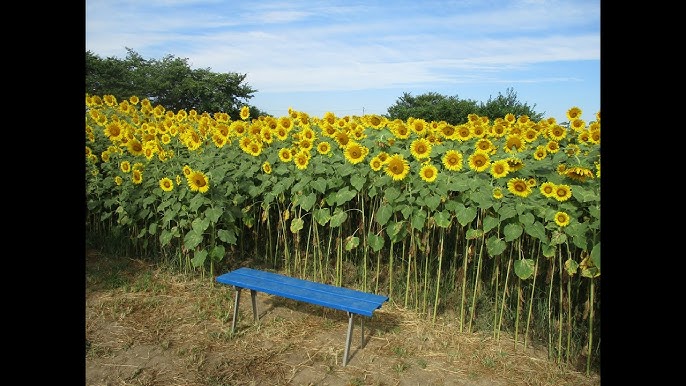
(520, 298)
(531, 301)
(409, 268)
(560, 305)
(502, 302)
(438, 274)
(390, 270)
(477, 277)
(550, 307)
(465, 258)
(590, 328)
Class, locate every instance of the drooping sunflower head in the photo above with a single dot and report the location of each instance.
(428, 173)
(420, 148)
(578, 173)
(397, 167)
(452, 160)
(479, 161)
(198, 182)
(515, 163)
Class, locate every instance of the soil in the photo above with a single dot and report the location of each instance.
(146, 325)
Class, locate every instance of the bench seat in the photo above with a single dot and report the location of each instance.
(352, 301)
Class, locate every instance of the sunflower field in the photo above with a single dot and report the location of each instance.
(496, 222)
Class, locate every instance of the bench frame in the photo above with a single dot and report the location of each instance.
(243, 284)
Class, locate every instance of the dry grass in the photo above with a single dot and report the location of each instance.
(148, 326)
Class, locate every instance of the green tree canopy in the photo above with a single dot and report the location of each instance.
(169, 82)
(451, 109)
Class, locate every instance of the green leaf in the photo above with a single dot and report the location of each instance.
(322, 215)
(383, 214)
(192, 239)
(571, 266)
(465, 216)
(375, 242)
(490, 222)
(357, 182)
(432, 201)
(199, 258)
(512, 231)
(351, 242)
(392, 193)
(217, 253)
(307, 202)
(558, 238)
(344, 195)
(165, 237)
(152, 229)
(418, 219)
(472, 234)
(495, 246)
(227, 236)
(595, 255)
(536, 230)
(213, 214)
(338, 218)
(524, 268)
(526, 219)
(297, 224)
(319, 185)
(200, 225)
(442, 219)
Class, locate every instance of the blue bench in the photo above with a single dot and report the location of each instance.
(351, 301)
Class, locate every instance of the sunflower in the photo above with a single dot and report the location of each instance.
(137, 176)
(114, 131)
(397, 167)
(485, 145)
(301, 159)
(125, 166)
(497, 193)
(577, 124)
(324, 148)
(562, 192)
(400, 130)
(452, 160)
(255, 148)
(573, 113)
(498, 130)
(540, 153)
(420, 148)
(500, 168)
(479, 161)
(245, 112)
(531, 181)
(578, 173)
(547, 189)
(464, 133)
(166, 184)
(557, 132)
(428, 173)
(515, 164)
(552, 147)
(514, 143)
(510, 118)
(118, 180)
(375, 121)
(198, 181)
(342, 138)
(597, 168)
(305, 144)
(561, 219)
(418, 126)
(178, 180)
(267, 167)
(355, 152)
(375, 163)
(518, 187)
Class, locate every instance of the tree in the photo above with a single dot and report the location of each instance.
(432, 107)
(504, 104)
(169, 82)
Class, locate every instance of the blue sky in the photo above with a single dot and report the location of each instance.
(358, 57)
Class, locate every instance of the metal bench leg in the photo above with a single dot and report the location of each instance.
(253, 294)
(362, 331)
(348, 338)
(235, 309)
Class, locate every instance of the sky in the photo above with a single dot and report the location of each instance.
(354, 57)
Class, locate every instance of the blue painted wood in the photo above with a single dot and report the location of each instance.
(339, 298)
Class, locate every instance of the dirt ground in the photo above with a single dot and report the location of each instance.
(148, 326)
